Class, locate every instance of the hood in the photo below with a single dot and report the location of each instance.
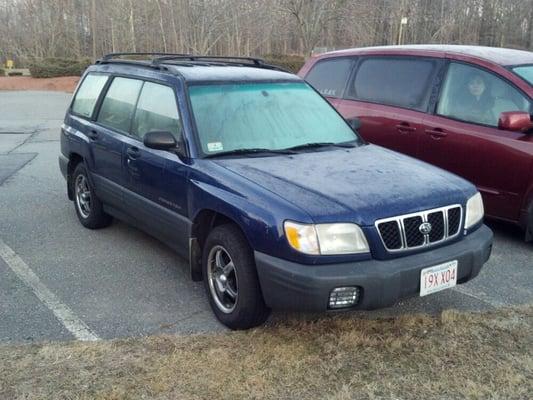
(358, 185)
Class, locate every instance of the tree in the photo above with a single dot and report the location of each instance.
(81, 28)
(311, 18)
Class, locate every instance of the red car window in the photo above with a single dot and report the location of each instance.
(474, 95)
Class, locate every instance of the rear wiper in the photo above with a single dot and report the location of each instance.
(249, 151)
(321, 144)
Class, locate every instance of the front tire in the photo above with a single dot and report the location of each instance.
(88, 207)
(230, 279)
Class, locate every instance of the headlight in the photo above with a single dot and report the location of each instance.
(302, 237)
(326, 239)
(474, 210)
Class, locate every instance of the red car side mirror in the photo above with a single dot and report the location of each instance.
(517, 121)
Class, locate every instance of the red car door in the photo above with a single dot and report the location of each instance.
(463, 137)
(386, 126)
(389, 95)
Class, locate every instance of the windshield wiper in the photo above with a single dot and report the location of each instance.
(346, 145)
(249, 151)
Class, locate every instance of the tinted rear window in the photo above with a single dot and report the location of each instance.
(394, 81)
(329, 76)
(88, 94)
(119, 103)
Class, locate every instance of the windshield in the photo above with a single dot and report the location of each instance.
(525, 72)
(272, 116)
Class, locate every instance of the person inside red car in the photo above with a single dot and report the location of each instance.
(475, 100)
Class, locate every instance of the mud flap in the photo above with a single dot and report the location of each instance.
(195, 259)
(70, 187)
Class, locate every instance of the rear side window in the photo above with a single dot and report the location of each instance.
(156, 111)
(119, 103)
(402, 82)
(88, 94)
(329, 76)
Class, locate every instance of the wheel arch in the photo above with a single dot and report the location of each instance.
(204, 222)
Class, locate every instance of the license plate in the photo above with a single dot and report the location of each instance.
(437, 278)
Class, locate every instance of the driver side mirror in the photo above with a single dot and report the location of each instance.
(160, 140)
(516, 121)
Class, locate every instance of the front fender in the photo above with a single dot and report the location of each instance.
(258, 219)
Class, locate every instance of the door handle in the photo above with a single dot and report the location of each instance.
(133, 153)
(404, 127)
(436, 133)
(93, 135)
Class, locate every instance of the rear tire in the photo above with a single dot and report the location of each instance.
(230, 279)
(88, 207)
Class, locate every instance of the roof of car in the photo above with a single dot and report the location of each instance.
(201, 71)
(496, 55)
(229, 73)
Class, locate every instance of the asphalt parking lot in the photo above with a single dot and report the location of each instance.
(120, 282)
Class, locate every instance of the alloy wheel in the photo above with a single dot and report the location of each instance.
(83, 196)
(222, 279)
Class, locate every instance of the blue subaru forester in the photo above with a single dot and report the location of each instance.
(273, 198)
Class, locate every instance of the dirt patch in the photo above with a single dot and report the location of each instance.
(451, 356)
(62, 84)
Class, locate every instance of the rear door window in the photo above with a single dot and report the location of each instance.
(88, 93)
(329, 76)
(157, 110)
(395, 81)
(119, 103)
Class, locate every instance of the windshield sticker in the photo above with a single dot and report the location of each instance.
(215, 146)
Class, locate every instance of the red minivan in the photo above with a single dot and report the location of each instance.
(466, 109)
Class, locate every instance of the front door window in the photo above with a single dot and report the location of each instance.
(473, 95)
(157, 110)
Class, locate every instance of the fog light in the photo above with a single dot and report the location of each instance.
(343, 297)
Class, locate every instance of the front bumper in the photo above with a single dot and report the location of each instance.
(288, 285)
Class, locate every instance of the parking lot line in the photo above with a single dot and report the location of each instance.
(62, 312)
(480, 296)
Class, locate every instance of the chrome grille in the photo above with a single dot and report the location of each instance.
(391, 235)
(404, 232)
(454, 220)
(413, 237)
(436, 219)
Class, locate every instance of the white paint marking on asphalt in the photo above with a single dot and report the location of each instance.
(62, 312)
(480, 296)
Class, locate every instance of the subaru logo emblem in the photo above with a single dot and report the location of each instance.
(425, 228)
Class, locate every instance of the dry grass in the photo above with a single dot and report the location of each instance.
(454, 355)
